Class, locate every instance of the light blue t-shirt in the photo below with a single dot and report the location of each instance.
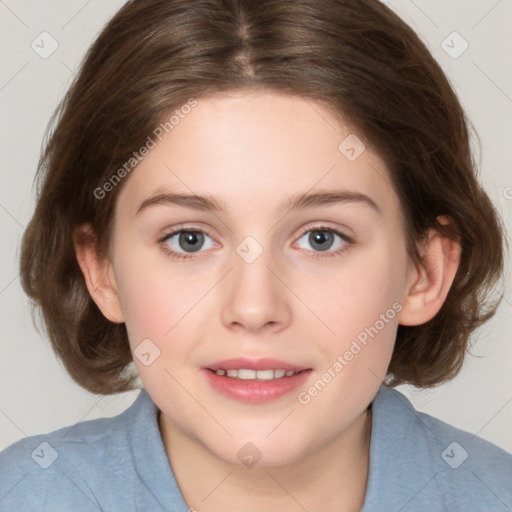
(417, 463)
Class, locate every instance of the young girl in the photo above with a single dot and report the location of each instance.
(270, 208)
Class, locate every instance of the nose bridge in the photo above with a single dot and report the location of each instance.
(251, 273)
(255, 296)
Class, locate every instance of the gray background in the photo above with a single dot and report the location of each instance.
(37, 395)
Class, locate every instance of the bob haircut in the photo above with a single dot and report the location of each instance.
(356, 57)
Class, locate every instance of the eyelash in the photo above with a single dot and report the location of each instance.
(328, 254)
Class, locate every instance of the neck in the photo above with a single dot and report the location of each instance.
(331, 477)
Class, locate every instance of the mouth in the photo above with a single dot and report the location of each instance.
(255, 380)
(248, 374)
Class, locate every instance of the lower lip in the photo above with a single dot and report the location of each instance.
(255, 391)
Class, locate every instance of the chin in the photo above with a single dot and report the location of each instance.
(258, 453)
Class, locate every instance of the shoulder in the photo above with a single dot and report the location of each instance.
(432, 460)
(62, 461)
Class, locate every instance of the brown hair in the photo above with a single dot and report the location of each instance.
(355, 56)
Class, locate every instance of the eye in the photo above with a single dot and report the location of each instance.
(183, 243)
(188, 240)
(322, 239)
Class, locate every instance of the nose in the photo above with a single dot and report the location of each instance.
(254, 296)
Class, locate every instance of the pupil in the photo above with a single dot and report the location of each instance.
(190, 238)
(320, 237)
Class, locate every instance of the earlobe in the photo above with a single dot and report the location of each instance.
(432, 279)
(98, 274)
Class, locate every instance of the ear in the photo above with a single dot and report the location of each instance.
(98, 273)
(429, 282)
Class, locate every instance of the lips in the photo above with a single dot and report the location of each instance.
(255, 380)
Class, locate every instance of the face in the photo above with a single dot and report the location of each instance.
(268, 281)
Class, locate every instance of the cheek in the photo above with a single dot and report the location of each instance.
(359, 308)
(154, 297)
(356, 294)
(163, 304)
(158, 310)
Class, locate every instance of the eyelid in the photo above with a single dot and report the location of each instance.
(182, 227)
(323, 225)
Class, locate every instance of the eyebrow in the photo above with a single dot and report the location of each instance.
(296, 202)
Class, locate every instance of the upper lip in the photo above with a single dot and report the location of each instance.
(255, 364)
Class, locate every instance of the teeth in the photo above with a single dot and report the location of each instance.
(246, 374)
(263, 374)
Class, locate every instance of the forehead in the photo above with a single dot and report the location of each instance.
(256, 149)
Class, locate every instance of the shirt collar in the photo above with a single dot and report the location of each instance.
(150, 458)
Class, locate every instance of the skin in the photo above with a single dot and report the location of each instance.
(253, 150)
